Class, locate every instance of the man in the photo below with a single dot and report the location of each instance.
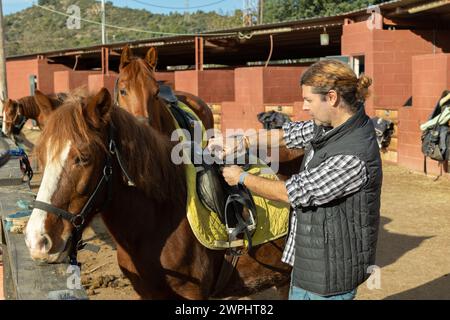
(336, 195)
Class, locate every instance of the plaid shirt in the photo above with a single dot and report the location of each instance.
(334, 178)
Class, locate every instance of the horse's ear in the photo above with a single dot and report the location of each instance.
(152, 57)
(125, 58)
(43, 102)
(98, 108)
(8, 103)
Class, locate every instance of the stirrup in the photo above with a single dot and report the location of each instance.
(242, 227)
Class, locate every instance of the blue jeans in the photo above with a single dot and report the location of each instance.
(296, 293)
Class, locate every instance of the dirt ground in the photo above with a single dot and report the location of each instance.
(413, 249)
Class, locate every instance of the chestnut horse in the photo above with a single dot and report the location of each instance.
(138, 92)
(90, 148)
(37, 107)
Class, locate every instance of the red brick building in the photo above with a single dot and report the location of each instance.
(403, 45)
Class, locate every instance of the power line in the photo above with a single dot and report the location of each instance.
(178, 8)
(133, 29)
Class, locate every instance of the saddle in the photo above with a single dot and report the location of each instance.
(184, 119)
(234, 205)
(383, 130)
(4, 151)
(272, 119)
(436, 134)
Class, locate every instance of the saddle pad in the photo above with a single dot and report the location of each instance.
(272, 216)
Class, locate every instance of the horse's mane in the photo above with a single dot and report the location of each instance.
(29, 105)
(134, 68)
(145, 152)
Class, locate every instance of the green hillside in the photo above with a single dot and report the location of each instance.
(37, 30)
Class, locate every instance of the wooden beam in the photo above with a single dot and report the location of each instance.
(30, 280)
(199, 53)
(105, 60)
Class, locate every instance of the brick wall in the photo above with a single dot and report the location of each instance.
(45, 76)
(97, 81)
(17, 74)
(388, 56)
(249, 99)
(65, 81)
(282, 84)
(187, 81)
(216, 86)
(430, 76)
(212, 86)
(393, 51)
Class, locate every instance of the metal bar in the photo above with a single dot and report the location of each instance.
(428, 6)
(3, 86)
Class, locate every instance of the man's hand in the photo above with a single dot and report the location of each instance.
(231, 174)
(223, 147)
(216, 146)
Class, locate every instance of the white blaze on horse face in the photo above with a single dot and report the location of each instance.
(52, 173)
(4, 122)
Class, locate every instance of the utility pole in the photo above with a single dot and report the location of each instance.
(260, 11)
(103, 22)
(250, 12)
(187, 16)
(3, 87)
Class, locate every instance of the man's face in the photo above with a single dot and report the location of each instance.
(319, 109)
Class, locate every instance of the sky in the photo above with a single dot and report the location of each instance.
(155, 6)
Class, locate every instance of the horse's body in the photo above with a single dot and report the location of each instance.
(37, 107)
(200, 107)
(156, 248)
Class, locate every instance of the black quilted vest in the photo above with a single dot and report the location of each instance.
(336, 242)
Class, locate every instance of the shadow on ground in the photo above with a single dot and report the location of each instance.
(392, 246)
(437, 289)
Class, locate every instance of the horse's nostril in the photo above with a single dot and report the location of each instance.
(45, 243)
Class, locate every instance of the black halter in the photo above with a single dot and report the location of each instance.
(16, 128)
(79, 220)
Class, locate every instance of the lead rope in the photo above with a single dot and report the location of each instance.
(113, 150)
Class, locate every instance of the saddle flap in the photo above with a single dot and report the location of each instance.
(210, 189)
(166, 93)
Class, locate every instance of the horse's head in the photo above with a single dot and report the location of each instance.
(16, 113)
(46, 106)
(11, 116)
(137, 88)
(73, 151)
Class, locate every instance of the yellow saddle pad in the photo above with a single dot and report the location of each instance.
(272, 217)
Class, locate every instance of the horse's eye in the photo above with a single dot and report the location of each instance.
(81, 160)
(123, 92)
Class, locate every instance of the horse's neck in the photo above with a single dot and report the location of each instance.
(28, 108)
(158, 200)
(162, 119)
(155, 167)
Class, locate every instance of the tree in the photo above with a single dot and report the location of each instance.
(285, 10)
(47, 2)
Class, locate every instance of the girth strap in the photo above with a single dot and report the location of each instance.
(226, 271)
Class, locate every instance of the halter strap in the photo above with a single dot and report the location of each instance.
(79, 220)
